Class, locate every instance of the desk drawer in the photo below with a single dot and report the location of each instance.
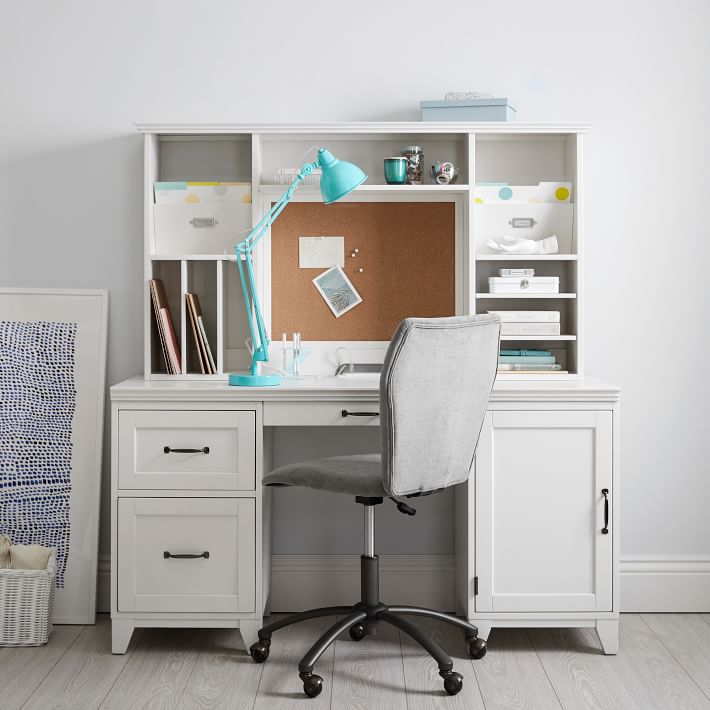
(219, 537)
(193, 450)
(322, 413)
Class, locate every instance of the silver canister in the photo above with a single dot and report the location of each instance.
(415, 163)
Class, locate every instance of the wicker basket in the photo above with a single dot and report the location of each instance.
(26, 604)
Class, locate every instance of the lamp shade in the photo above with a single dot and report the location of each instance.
(338, 177)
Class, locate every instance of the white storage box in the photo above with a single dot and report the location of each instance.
(525, 284)
(530, 221)
(194, 193)
(487, 109)
(26, 604)
(200, 228)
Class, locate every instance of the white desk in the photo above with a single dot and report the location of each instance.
(529, 544)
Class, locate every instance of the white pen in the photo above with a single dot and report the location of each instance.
(296, 352)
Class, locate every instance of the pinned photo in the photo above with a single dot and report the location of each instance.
(337, 291)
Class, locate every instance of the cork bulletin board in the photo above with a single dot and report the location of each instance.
(406, 251)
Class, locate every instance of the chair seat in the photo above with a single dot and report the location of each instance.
(358, 475)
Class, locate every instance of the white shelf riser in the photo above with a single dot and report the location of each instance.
(528, 296)
(528, 257)
(190, 376)
(192, 257)
(539, 337)
(547, 377)
(268, 189)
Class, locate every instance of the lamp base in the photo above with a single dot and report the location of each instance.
(242, 380)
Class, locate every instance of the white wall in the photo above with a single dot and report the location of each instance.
(76, 74)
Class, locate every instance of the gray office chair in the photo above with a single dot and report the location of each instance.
(434, 390)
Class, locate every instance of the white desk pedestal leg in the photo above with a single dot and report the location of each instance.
(249, 629)
(608, 632)
(483, 626)
(121, 632)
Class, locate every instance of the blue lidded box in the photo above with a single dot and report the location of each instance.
(468, 110)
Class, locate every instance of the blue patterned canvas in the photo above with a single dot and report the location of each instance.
(37, 403)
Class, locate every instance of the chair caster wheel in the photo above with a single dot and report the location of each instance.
(357, 632)
(477, 648)
(312, 685)
(259, 651)
(453, 683)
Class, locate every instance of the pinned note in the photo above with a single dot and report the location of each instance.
(321, 252)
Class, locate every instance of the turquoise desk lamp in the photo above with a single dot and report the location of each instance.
(338, 178)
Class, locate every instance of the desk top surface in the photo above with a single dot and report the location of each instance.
(347, 387)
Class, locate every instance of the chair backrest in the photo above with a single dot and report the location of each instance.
(434, 389)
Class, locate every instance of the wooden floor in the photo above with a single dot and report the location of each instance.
(664, 663)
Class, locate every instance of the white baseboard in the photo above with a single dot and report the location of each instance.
(665, 584)
(648, 584)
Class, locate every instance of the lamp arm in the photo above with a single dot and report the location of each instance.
(243, 250)
(259, 230)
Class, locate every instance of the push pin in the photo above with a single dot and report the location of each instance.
(355, 252)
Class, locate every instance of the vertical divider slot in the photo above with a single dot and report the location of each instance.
(184, 288)
(203, 280)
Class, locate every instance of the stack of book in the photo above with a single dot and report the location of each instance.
(529, 322)
(168, 339)
(528, 361)
(199, 335)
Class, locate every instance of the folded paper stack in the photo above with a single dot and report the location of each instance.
(529, 322)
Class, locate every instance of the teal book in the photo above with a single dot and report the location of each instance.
(180, 185)
(525, 359)
(526, 353)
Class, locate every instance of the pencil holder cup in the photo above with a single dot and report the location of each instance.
(396, 170)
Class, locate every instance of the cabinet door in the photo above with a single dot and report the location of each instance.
(540, 512)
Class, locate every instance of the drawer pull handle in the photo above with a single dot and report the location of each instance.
(522, 222)
(169, 555)
(202, 222)
(203, 450)
(345, 413)
(605, 493)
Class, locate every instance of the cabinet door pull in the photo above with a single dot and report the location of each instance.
(169, 555)
(605, 493)
(345, 413)
(203, 450)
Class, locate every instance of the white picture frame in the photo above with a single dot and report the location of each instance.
(337, 291)
(85, 314)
